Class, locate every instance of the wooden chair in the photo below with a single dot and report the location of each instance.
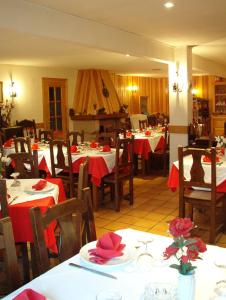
(143, 124)
(161, 156)
(29, 127)
(11, 268)
(26, 164)
(209, 199)
(123, 172)
(83, 177)
(62, 160)
(71, 218)
(76, 135)
(22, 144)
(45, 135)
(23, 246)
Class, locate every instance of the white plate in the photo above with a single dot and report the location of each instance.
(128, 256)
(49, 187)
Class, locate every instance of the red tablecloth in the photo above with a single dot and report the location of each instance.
(142, 146)
(173, 181)
(97, 168)
(19, 214)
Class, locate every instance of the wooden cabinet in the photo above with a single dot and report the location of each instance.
(219, 108)
(218, 124)
(220, 97)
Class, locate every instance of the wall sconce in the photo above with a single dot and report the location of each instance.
(132, 88)
(12, 90)
(176, 85)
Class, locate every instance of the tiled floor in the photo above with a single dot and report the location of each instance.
(154, 206)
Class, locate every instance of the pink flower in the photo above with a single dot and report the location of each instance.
(199, 245)
(180, 227)
(170, 251)
(184, 259)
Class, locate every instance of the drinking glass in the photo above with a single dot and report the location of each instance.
(16, 182)
(108, 295)
(145, 258)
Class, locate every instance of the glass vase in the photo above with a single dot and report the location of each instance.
(186, 286)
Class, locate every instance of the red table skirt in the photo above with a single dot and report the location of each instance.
(19, 214)
(173, 181)
(97, 168)
(142, 146)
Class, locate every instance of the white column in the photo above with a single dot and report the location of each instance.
(180, 99)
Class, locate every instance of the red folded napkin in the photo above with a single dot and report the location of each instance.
(129, 134)
(40, 185)
(8, 143)
(106, 148)
(147, 132)
(94, 144)
(207, 159)
(29, 294)
(35, 146)
(108, 246)
(74, 149)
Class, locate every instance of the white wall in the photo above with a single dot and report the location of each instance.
(28, 81)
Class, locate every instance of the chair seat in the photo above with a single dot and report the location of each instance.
(111, 178)
(198, 195)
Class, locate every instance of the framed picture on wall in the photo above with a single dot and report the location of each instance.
(1, 91)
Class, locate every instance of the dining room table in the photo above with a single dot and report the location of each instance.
(129, 279)
(173, 179)
(22, 197)
(101, 163)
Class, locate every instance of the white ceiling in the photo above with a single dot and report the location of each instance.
(191, 22)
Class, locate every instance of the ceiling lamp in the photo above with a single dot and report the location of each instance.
(169, 4)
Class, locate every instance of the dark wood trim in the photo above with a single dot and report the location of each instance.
(181, 129)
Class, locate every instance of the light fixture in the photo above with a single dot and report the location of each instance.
(127, 55)
(132, 88)
(12, 90)
(169, 4)
(177, 88)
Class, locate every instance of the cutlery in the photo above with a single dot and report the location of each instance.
(92, 270)
(14, 198)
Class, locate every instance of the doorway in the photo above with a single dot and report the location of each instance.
(55, 104)
(144, 105)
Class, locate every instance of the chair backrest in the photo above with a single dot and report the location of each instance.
(3, 198)
(124, 157)
(26, 164)
(22, 144)
(7, 244)
(11, 132)
(72, 218)
(197, 172)
(83, 177)
(60, 159)
(143, 124)
(45, 135)
(29, 127)
(74, 136)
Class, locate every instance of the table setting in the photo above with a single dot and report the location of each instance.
(99, 271)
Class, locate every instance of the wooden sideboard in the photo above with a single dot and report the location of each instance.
(217, 124)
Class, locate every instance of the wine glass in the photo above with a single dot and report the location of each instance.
(16, 182)
(145, 258)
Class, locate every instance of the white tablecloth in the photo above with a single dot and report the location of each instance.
(220, 170)
(66, 283)
(20, 195)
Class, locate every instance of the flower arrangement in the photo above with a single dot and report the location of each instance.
(184, 248)
(221, 141)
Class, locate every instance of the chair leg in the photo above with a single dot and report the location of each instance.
(131, 191)
(117, 198)
(25, 262)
